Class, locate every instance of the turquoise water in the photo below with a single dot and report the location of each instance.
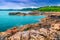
(7, 22)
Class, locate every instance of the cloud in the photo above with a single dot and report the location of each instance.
(9, 5)
(13, 4)
(26, 3)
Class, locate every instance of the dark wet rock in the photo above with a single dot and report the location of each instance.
(30, 13)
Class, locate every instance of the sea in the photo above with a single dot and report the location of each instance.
(7, 21)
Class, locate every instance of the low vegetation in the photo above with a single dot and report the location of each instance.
(50, 8)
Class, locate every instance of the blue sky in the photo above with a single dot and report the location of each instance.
(18, 4)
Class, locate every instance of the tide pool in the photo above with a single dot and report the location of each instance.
(7, 22)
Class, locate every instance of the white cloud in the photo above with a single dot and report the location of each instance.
(9, 5)
(58, 4)
(13, 4)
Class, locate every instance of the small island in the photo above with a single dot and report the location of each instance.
(24, 14)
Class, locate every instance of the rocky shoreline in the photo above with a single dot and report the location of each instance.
(24, 14)
(47, 29)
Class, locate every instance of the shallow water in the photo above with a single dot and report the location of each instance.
(7, 22)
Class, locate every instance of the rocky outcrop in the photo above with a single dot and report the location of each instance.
(17, 13)
(52, 33)
(23, 14)
(40, 34)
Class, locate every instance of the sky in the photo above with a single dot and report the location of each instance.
(19, 4)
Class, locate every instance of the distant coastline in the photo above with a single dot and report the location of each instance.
(23, 9)
(41, 9)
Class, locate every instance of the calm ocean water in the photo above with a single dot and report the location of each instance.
(7, 22)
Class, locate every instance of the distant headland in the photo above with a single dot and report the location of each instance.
(43, 9)
(38, 11)
(23, 9)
